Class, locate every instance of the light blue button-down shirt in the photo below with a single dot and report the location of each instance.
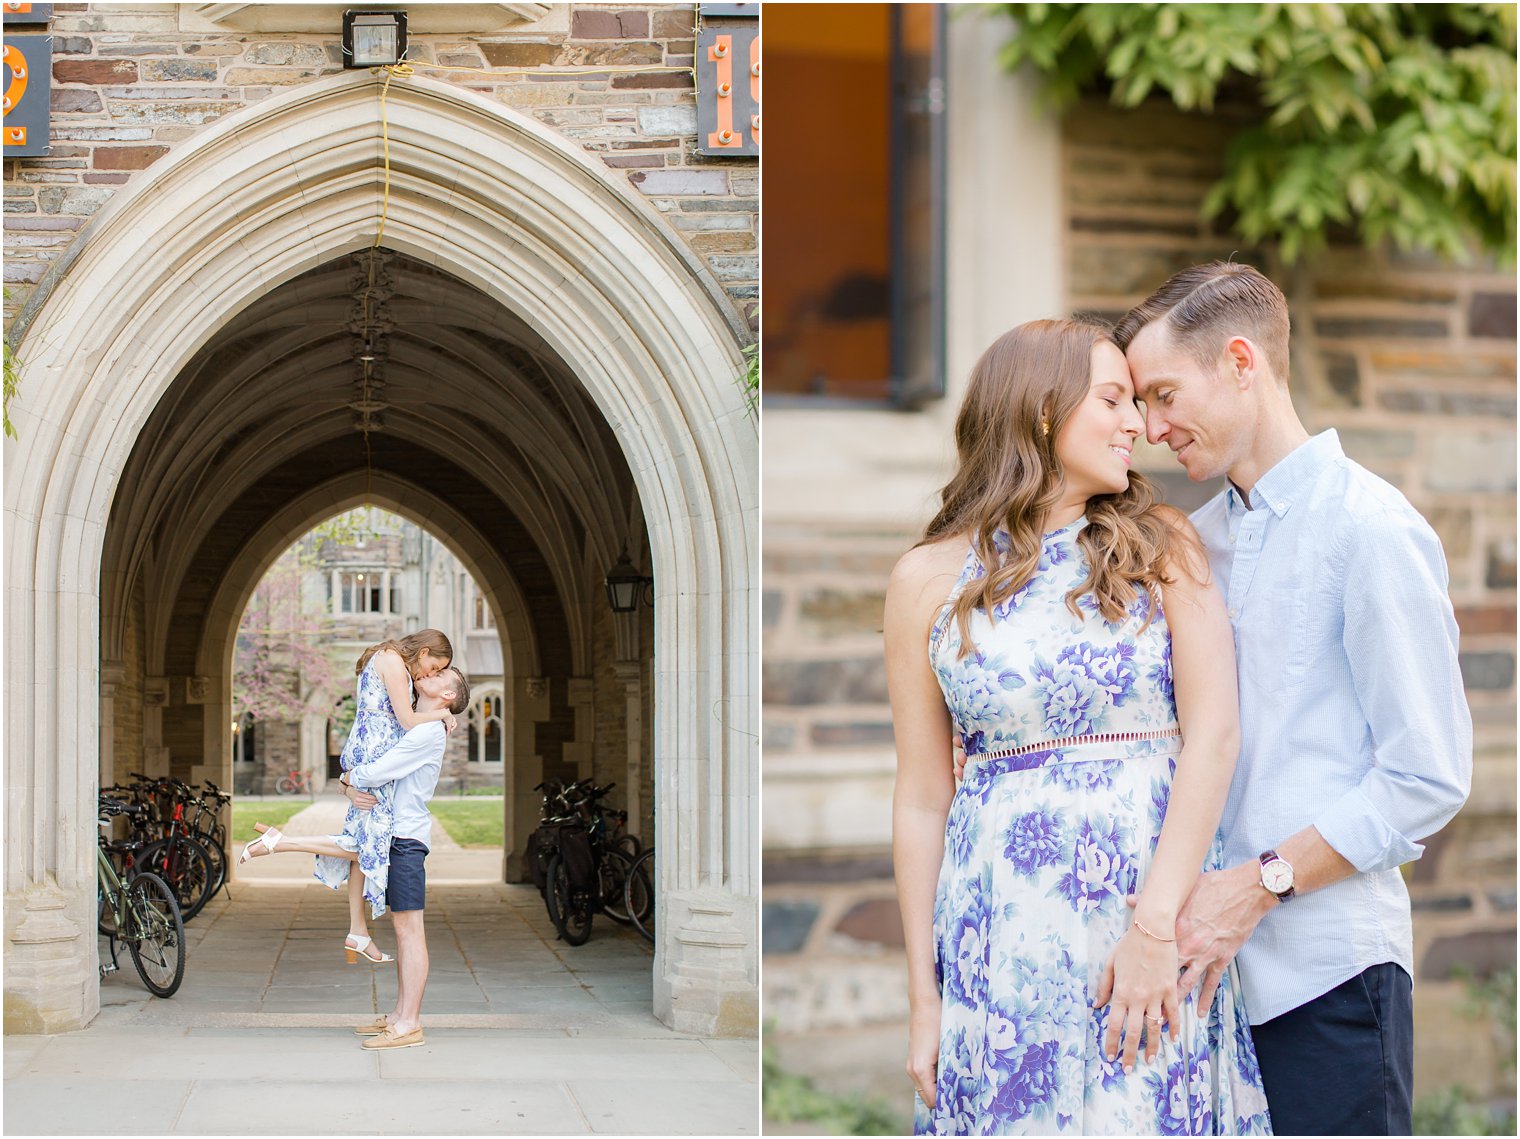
(1352, 712)
(412, 765)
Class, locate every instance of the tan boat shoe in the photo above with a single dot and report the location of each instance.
(391, 1039)
(371, 1029)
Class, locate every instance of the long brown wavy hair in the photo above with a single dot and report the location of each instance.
(410, 648)
(1022, 391)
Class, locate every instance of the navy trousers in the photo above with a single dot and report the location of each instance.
(1343, 1064)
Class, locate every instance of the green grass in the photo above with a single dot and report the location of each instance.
(470, 824)
(245, 814)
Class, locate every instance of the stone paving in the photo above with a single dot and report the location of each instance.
(526, 1035)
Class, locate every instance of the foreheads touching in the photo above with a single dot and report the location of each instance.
(1206, 316)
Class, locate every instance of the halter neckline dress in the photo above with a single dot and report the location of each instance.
(1070, 729)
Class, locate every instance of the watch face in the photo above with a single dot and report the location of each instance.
(1277, 876)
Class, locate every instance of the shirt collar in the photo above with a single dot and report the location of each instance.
(1294, 473)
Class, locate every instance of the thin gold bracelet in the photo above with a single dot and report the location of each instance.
(1136, 923)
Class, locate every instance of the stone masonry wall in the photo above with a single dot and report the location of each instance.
(130, 84)
(1412, 360)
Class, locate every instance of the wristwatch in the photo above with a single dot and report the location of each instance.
(1276, 875)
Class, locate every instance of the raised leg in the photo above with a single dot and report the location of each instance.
(303, 844)
(357, 925)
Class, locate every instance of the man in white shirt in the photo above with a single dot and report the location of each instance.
(412, 768)
(1356, 739)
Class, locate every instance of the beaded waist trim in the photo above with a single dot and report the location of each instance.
(1078, 741)
(1073, 750)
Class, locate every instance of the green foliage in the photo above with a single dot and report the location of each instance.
(750, 381)
(341, 531)
(1396, 121)
(471, 824)
(1493, 999)
(790, 1098)
(1453, 1111)
(246, 812)
(12, 384)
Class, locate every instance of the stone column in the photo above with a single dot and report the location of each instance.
(112, 673)
(520, 801)
(630, 672)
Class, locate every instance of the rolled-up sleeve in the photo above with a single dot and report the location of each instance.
(1400, 638)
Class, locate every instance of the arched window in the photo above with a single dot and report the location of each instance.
(485, 724)
(244, 739)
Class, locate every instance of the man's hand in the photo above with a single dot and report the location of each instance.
(361, 799)
(1219, 915)
(958, 752)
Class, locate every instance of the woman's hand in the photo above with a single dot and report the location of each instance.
(923, 1048)
(1139, 985)
(449, 722)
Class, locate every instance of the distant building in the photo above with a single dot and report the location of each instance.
(393, 579)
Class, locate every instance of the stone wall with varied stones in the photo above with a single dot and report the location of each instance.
(1410, 358)
(130, 83)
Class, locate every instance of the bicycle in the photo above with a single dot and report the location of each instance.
(144, 916)
(168, 849)
(295, 783)
(638, 893)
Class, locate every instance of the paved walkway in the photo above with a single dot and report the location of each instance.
(526, 1035)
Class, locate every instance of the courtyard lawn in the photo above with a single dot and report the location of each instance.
(470, 823)
(245, 814)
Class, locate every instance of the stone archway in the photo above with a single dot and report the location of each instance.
(499, 203)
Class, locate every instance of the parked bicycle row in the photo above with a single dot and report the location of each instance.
(179, 836)
(584, 862)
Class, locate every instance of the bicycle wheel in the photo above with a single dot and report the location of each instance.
(217, 856)
(612, 871)
(630, 845)
(185, 869)
(569, 909)
(156, 935)
(285, 785)
(641, 880)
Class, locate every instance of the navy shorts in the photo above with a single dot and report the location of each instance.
(1343, 1064)
(407, 884)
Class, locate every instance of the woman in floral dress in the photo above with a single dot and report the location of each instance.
(383, 713)
(1063, 627)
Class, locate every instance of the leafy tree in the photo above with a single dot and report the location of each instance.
(1394, 120)
(281, 668)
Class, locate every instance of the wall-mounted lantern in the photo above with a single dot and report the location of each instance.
(625, 585)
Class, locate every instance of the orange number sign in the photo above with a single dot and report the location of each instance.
(16, 63)
(722, 53)
(754, 87)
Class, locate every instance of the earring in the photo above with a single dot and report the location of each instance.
(1044, 427)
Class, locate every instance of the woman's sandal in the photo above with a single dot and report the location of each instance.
(268, 840)
(352, 953)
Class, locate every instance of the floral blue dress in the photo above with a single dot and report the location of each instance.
(1041, 846)
(376, 730)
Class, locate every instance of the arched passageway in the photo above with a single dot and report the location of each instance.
(527, 363)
